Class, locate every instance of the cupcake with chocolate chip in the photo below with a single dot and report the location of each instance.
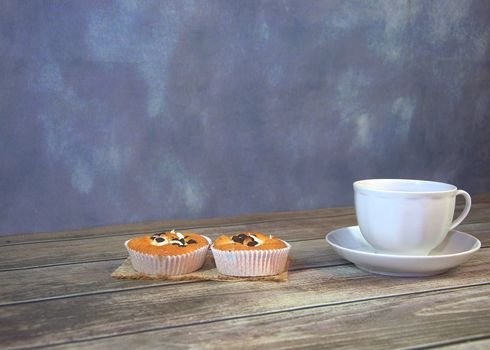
(250, 254)
(168, 253)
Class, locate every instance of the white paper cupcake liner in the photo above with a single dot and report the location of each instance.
(168, 265)
(251, 262)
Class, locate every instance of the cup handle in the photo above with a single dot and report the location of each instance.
(466, 209)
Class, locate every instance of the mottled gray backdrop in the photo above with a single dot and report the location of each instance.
(125, 111)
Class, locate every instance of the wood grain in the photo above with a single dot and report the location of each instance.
(467, 344)
(152, 226)
(56, 289)
(112, 247)
(108, 314)
(427, 318)
(480, 212)
(93, 277)
(66, 280)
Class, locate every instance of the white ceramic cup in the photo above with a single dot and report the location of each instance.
(406, 217)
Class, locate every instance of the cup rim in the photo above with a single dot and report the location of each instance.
(362, 185)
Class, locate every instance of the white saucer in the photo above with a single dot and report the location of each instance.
(453, 251)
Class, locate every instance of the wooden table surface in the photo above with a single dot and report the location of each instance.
(56, 291)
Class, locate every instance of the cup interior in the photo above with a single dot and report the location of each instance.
(404, 186)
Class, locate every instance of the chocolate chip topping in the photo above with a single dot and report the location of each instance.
(240, 238)
(177, 242)
(174, 238)
(249, 240)
(252, 243)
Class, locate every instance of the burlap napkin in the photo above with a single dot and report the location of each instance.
(207, 273)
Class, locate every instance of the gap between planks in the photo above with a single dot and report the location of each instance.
(472, 274)
(151, 226)
(163, 284)
(121, 234)
(428, 292)
(445, 344)
(312, 265)
(123, 255)
(155, 285)
(482, 199)
(140, 232)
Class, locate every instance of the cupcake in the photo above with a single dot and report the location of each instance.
(168, 253)
(250, 254)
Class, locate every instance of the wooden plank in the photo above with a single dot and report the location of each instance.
(86, 278)
(150, 226)
(480, 213)
(482, 344)
(112, 247)
(410, 321)
(78, 318)
(63, 280)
